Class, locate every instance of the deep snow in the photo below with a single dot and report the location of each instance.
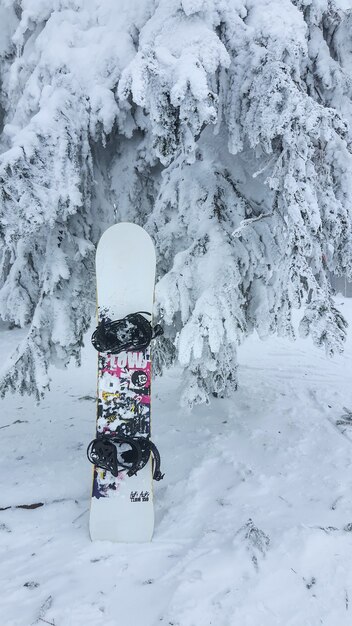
(253, 519)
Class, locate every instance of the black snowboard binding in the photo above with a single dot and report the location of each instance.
(116, 454)
(133, 332)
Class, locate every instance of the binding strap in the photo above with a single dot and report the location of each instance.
(133, 332)
(109, 452)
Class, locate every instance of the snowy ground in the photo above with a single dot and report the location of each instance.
(253, 518)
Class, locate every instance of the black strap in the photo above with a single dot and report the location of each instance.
(102, 452)
(157, 475)
(132, 332)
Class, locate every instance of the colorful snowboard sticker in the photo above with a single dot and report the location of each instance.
(124, 391)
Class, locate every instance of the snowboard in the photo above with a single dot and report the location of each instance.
(122, 505)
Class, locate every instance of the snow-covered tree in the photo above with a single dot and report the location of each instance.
(222, 126)
(60, 63)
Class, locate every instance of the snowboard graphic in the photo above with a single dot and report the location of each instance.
(122, 500)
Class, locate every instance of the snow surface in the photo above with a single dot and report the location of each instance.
(253, 519)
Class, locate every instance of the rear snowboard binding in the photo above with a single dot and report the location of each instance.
(130, 454)
(133, 332)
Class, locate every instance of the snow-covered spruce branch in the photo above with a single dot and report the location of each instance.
(199, 120)
(249, 222)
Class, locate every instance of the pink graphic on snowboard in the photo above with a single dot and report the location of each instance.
(133, 371)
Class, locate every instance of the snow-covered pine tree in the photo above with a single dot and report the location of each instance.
(222, 126)
(60, 63)
(254, 202)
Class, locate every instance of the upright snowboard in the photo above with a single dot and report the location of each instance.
(122, 496)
